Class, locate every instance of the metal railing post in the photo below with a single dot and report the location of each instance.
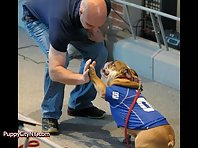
(155, 29)
(128, 17)
(162, 31)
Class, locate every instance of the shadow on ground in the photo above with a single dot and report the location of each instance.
(92, 132)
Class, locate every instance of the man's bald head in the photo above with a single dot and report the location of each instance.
(93, 13)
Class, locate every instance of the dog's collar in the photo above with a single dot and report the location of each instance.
(133, 82)
(131, 79)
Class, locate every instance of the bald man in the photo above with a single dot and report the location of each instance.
(54, 24)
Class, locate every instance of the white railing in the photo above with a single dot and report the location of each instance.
(152, 13)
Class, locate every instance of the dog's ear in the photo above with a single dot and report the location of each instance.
(133, 72)
(127, 73)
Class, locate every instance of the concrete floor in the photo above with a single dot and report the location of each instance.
(82, 132)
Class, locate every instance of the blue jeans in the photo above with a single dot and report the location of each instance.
(82, 95)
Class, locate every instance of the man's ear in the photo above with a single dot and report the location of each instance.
(81, 9)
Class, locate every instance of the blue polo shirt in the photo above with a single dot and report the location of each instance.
(143, 115)
(62, 18)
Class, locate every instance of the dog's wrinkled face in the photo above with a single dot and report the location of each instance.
(117, 69)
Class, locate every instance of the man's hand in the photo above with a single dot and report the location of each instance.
(86, 78)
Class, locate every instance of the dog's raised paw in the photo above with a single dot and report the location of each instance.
(92, 70)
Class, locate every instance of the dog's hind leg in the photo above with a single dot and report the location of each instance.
(157, 137)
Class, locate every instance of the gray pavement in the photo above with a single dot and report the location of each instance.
(82, 132)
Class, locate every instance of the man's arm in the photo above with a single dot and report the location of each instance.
(60, 74)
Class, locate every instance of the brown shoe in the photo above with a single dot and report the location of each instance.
(91, 112)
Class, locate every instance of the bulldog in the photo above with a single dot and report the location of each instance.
(148, 126)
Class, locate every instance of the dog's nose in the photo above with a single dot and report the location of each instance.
(103, 70)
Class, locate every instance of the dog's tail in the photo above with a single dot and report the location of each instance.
(171, 143)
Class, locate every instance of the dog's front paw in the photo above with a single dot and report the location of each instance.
(92, 72)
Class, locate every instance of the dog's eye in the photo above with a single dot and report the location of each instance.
(111, 66)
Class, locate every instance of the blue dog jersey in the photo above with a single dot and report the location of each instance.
(143, 115)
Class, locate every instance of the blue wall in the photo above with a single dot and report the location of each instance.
(149, 60)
